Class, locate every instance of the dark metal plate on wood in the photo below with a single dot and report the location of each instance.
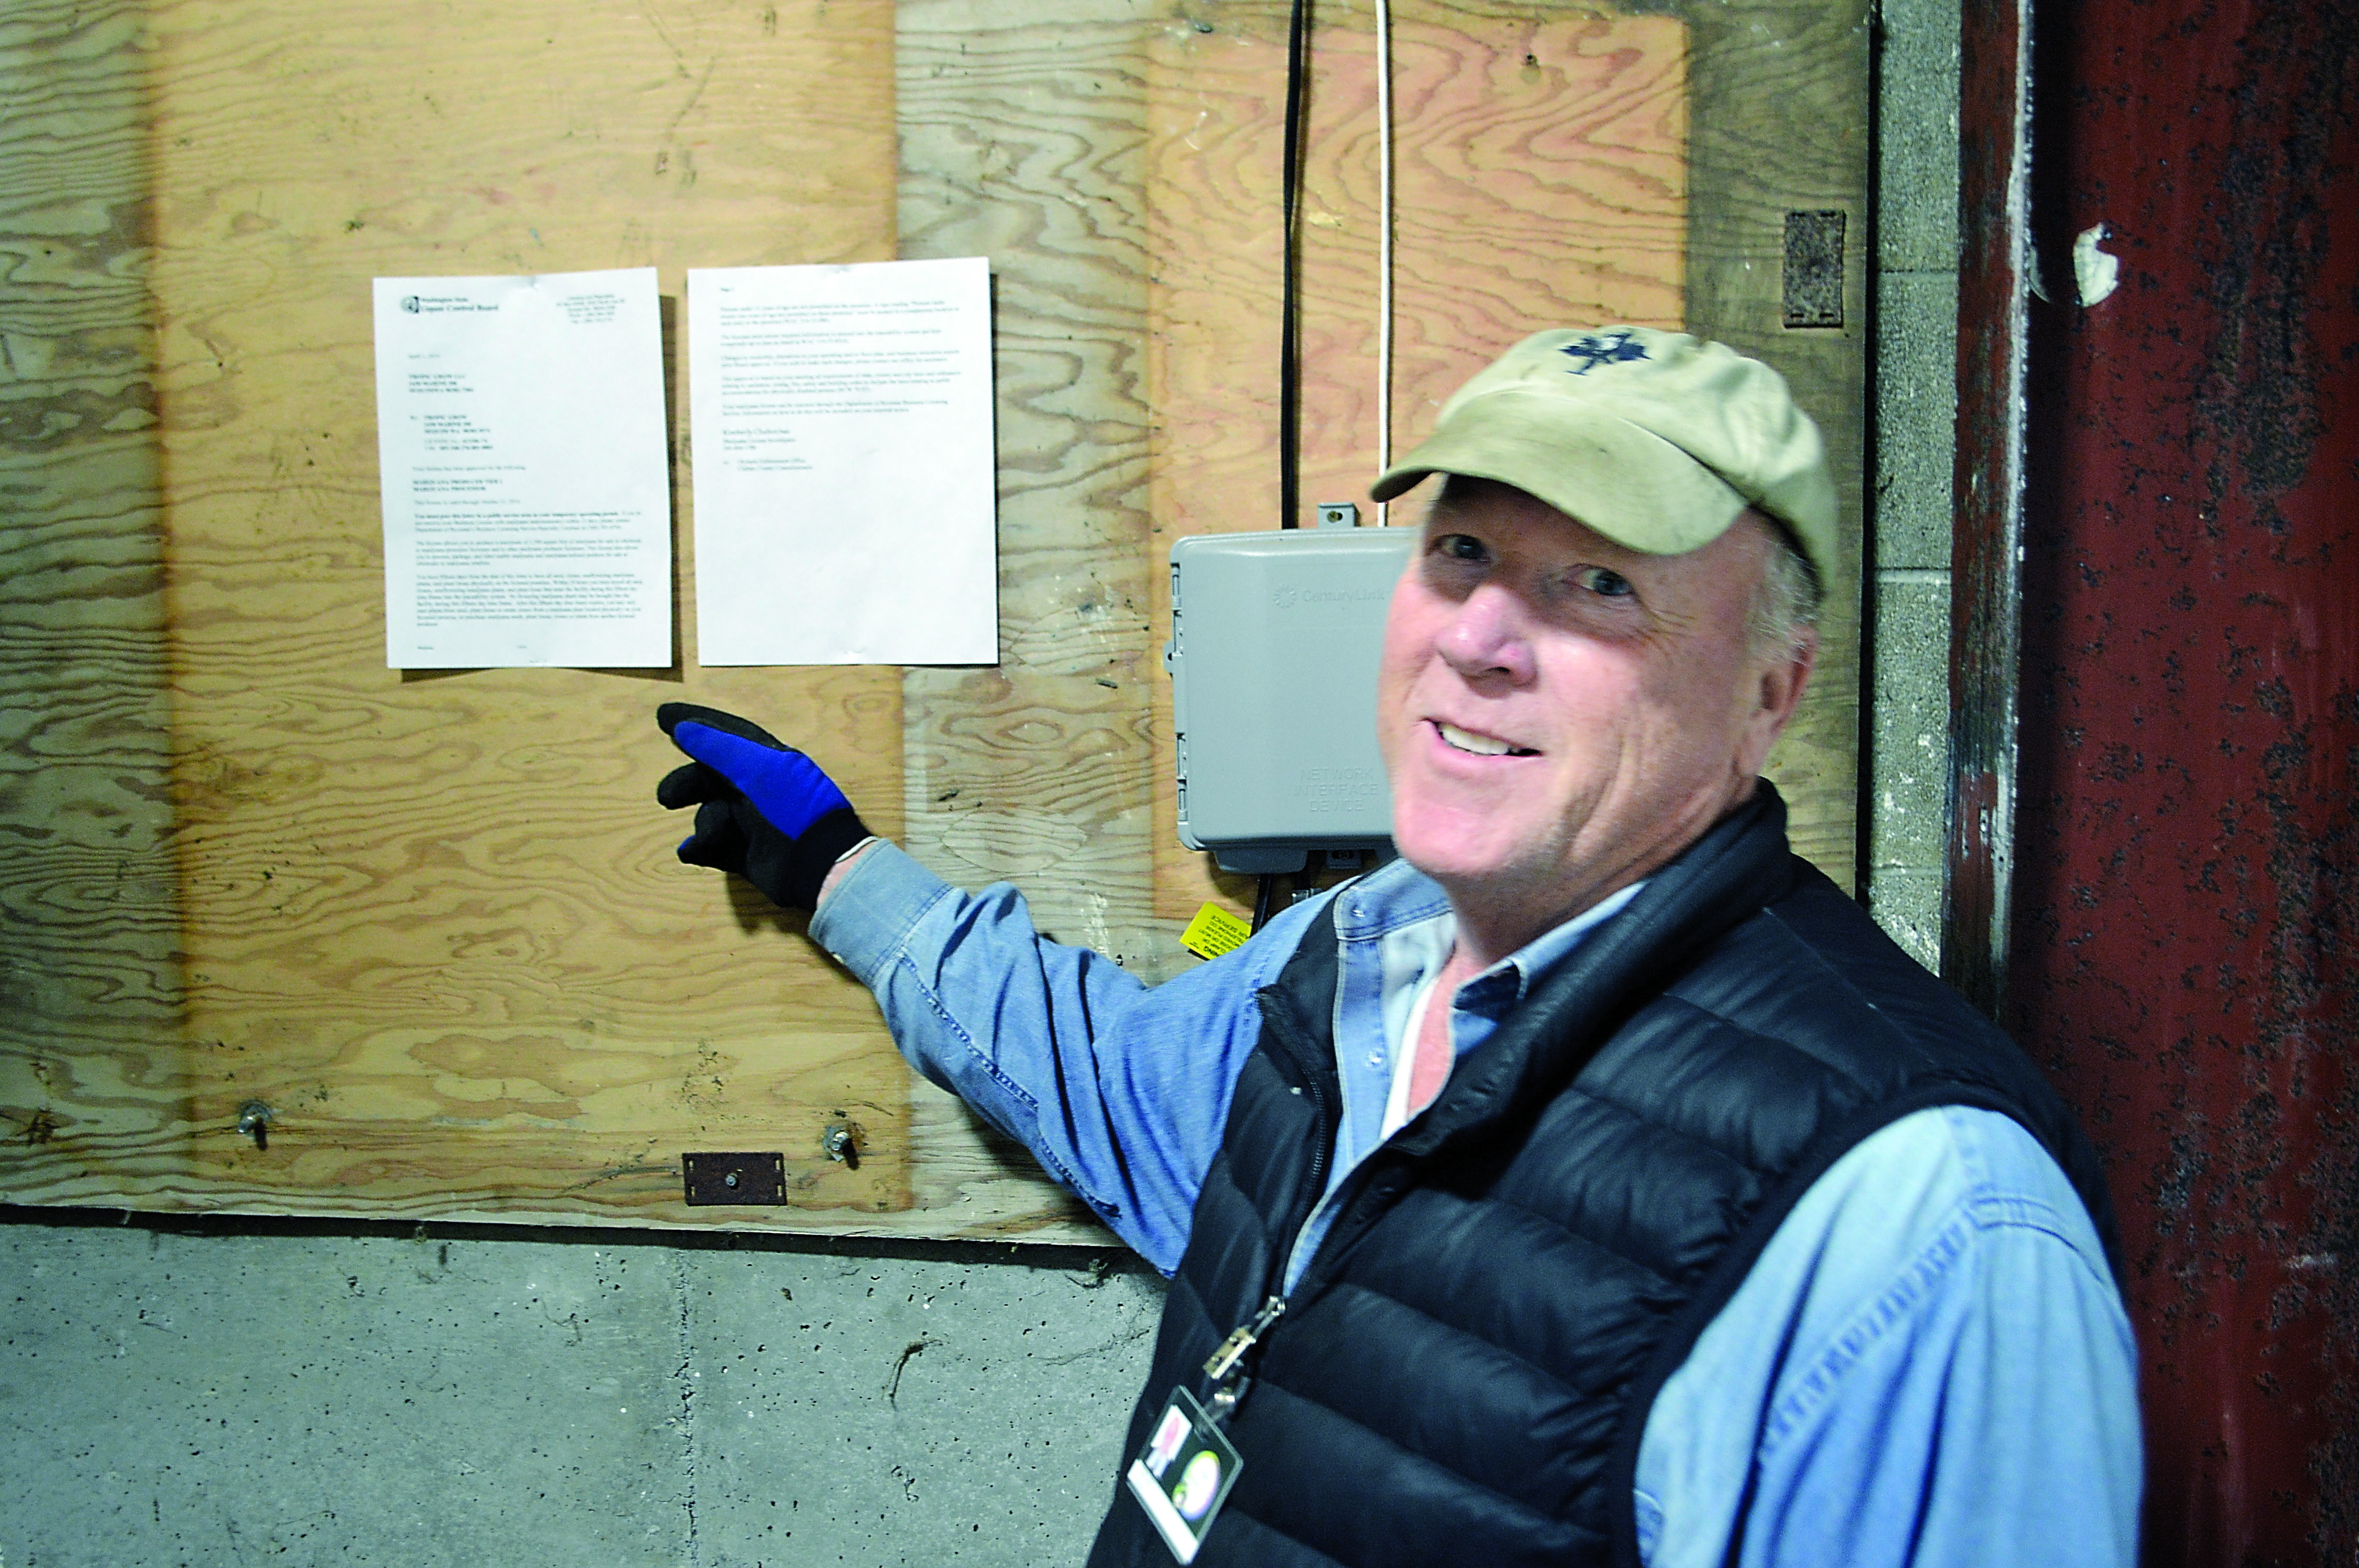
(735, 1178)
(1814, 269)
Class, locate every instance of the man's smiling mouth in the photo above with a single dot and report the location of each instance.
(1480, 745)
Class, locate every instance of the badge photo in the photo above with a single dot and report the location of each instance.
(1183, 1474)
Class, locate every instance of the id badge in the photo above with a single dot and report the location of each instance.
(1184, 1473)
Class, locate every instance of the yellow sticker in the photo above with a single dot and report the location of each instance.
(1214, 931)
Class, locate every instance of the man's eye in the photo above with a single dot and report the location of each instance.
(1607, 584)
(1459, 546)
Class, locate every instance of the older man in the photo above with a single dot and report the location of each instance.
(1595, 1181)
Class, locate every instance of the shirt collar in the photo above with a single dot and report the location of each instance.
(1498, 989)
(1397, 896)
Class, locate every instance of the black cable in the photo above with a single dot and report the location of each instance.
(1290, 369)
(1289, 328)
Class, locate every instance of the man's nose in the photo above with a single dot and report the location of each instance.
(1489, 638)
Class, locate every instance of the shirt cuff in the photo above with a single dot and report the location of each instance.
(863, 922)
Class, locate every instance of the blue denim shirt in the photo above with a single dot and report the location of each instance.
(1394, 930)
(1928, 1363)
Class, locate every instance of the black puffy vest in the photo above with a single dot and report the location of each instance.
(1465, 1371)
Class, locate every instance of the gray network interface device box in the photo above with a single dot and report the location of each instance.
(1275, 641)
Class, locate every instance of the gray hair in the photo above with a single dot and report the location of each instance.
(1785, 606)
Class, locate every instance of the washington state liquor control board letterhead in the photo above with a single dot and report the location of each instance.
(520, 449)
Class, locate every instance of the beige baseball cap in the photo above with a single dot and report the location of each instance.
(1656, 439)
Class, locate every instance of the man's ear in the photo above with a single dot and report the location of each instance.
(1783, 675)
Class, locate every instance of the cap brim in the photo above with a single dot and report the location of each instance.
(1627, 482)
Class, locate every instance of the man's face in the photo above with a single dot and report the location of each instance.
(1560, 715)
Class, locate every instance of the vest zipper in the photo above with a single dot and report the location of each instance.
(1281, 1019)
(1225, 1367)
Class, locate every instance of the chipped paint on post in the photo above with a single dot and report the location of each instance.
(2096, 272)
(1986, 534)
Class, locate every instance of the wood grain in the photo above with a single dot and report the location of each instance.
(433, 922)
(90, 980)
(1038, 143)
(1023, 137)
(1780, 123)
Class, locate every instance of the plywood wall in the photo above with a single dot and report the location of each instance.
(1023, 138)
(90, 992)
(433, 922)
(1539, 180)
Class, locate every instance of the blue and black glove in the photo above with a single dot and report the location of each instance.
(764, 810)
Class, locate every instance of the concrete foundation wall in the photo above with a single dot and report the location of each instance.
(190, 1394)
(177, 1393)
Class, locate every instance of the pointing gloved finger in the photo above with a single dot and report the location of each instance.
(785, 785)
(725, 750)
(764, 811)
(670, 716)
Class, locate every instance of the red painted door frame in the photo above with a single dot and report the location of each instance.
(2174, 936)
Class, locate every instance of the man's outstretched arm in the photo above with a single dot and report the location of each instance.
(1118, 1090)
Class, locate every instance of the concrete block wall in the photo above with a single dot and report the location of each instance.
(1905, 767)
(176, 1392)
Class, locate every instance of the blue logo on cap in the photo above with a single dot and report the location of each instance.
(1593, 351)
